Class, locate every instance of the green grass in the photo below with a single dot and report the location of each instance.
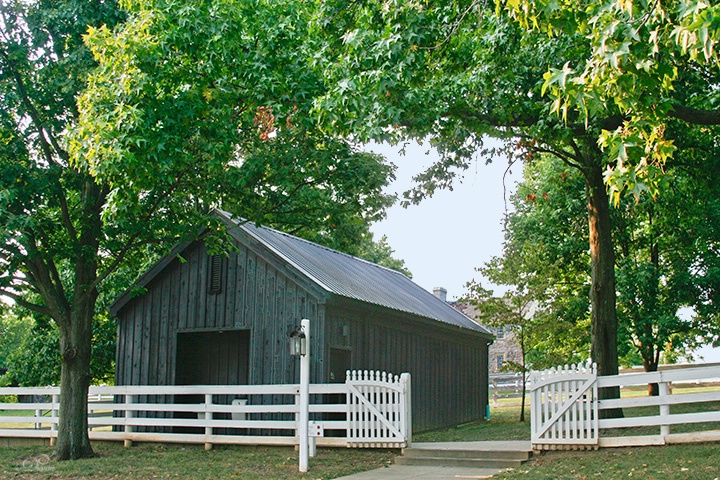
(504, 424)
(114, 461)
(672, 462)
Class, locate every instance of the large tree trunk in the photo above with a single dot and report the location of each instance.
(76, 334)
(75, 346)
(604, 327)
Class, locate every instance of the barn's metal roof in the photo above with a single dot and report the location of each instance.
(354, 278)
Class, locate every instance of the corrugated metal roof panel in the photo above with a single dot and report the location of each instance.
(355, 278)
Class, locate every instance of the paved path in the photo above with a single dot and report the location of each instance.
(412, 472)
(409, 472)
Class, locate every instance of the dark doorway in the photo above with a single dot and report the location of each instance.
(213, 358)
(210, 358)
(339, 363)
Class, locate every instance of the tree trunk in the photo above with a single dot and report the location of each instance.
(524, 395)
(76, 335)
(653, 388)
(76, 347)
(603, 327)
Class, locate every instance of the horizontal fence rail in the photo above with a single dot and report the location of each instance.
(566, 411)
(208, 414)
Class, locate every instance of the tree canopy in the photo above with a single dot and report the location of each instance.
(601, 87)
(649, 63)
(121, 129)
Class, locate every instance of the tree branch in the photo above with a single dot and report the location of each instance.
(695, 116)
(45, 278)
(20, 300)
(131, 243)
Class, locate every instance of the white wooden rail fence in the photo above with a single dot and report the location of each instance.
(374, 413)
(566, 410)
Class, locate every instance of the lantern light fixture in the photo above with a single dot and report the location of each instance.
(298, 342)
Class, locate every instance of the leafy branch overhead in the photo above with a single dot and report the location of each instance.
(650, 62)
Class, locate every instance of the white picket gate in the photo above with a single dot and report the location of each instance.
(378, 409)
(565, 408)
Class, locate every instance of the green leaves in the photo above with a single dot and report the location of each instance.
(637, 52)
(644, 144)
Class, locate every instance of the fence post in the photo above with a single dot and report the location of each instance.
(406, 405)
(664, 391)
(129, 400)
(54, 415)
(208, 416)
(38, 419)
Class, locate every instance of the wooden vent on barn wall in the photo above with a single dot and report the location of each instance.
(215, 280)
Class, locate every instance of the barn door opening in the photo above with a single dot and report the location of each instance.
(211, 358)
(339, 363)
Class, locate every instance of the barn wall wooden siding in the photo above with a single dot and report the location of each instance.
(255, 296)
(448, 369)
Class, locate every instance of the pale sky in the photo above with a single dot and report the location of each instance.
(446, 237)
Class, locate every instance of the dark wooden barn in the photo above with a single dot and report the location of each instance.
(222, 320)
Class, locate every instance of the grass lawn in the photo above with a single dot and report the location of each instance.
(672, 462)
(188, 462)
(503, 425)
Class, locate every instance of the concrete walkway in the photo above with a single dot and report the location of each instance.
(421, 472)
(412, 472)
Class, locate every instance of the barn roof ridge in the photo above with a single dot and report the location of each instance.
(245, 221)
(355, 278)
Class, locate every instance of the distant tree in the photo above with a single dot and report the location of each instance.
(546, 335)
(380, 252)
(660, 269)
(510, 313)
(14, 332)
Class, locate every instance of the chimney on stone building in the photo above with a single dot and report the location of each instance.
(440, 293)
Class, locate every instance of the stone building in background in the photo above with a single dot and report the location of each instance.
(504, 349)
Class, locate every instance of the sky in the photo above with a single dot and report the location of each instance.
(446, 237)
